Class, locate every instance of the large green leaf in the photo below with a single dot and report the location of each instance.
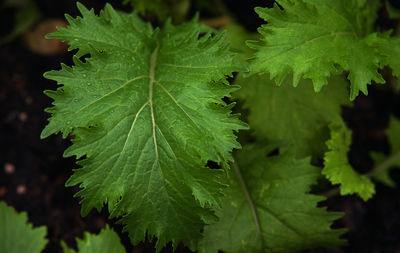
(337, 167)
(317, 38)
(147, 114)
(106, 241)
(297, 115)
(268, 207)
(17, 235)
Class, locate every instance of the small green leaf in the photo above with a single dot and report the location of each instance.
(27, 14)
(17, 235)
(337, 168)
(106, 241)
(392, 11)
(268, 208)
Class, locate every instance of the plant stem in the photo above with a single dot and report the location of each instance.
(216, 23)
(387, 163)
(331, 193)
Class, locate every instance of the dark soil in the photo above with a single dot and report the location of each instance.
(34, 171)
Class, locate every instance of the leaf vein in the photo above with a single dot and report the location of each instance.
(111, 92)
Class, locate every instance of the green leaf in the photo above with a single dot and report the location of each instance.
(146, 112)
(392, 11)
(17, 235)
(268, 207)
(297, 115)
(337, 168)
(385, 163)
(106, 241)
(27, 14)
(315, 39)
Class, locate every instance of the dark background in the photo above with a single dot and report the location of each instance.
(33, 172)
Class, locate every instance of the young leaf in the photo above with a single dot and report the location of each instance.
(147, 114)
(17, 235)
(315, 39)
(337, 168)
(106, 241)
(294, 114)
(268, 209)
(393, 134)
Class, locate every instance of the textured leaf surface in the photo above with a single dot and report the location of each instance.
(147, 114)
(315, 39)
(337, 168)
(297, 115)
(268, 209)
(393, 135)
(17, 235)
(106, 241)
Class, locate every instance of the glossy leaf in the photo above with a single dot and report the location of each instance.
(146, 110)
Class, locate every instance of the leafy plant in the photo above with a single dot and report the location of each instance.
(149, 110)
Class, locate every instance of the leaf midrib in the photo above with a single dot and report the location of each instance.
(153, 63)
(313, 40)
